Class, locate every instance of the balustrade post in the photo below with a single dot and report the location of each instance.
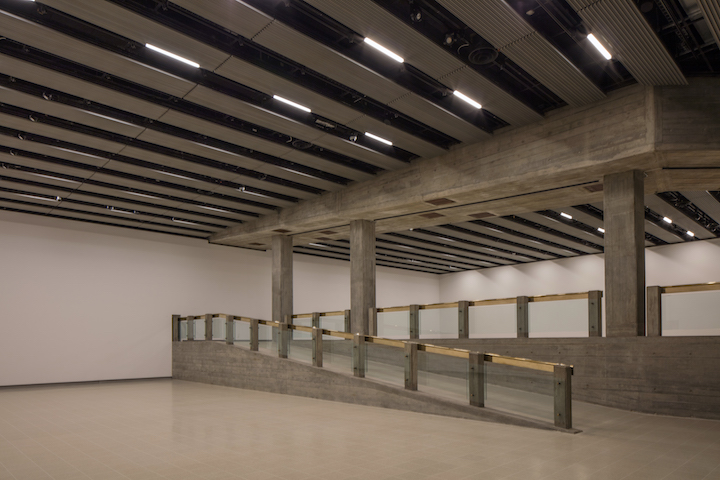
(595, 313)
(208, 326)
(463, 319)
(522, 317)
(176, 328)
(654, 311)
(348, 325)
(372, 319)
(230, 330)
(190, 328)
(317, 347)
(411, 366)
(563, 396)
(414, 321)
(476, 379)
(315, 320)
(283, 337)
(358, 355)
(254, 334)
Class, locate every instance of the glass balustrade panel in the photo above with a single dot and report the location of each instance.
(558, 319)
(183, 330)
(267, 339)
(690, 314)
(242, 334)
(439, 323)
(493, 321)
(394, 325)
(218, 328)
(520, 391)
(337, 354)
(443, 376)
(300, 343)
(385, 363)
(333, 322)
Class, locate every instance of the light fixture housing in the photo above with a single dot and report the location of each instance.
(384, 50)
(596, 43)
(292, 104)
(467, 99)
(173, 56)
(379, 139)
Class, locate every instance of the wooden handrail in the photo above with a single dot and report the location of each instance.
(695, 287)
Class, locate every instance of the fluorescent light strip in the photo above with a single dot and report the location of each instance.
(214, 209)
(384, 50)
(601, 230)
(109, 118)
(53, 178)
(446, 239)
(143, 195)
(175, 175)
(689, 233)
(667, 220)
(183, 222)
(79, 153)
(596, 43)
(298, 173)
(243, 190)
(318, 245)
(292, 104)
(118, 210)
(217, 149)
(379, 139)
(566, 215)
(467, 99)
(172, 55)
(56, 199)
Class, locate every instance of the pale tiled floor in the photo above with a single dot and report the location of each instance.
(182, 430)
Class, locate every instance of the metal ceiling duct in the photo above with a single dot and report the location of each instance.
(630, 38)
(711, 11)
(499, 24)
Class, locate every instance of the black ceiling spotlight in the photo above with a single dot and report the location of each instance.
(353, 137)
(450, 39)
(416, 15)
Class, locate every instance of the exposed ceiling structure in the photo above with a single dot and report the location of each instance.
(187, 117)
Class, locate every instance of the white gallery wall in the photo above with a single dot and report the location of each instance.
(82, 302)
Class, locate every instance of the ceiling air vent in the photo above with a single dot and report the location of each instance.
(432, 215)
(440, 201)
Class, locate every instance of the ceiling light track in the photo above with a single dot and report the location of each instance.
(597, 213)
(669, 226)
(551, 231)
(141, 92)
(87, 32)
(494, 241)
(680, 203)
(525, 236)
(567, 219)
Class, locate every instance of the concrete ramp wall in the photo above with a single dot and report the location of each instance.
(220, 364)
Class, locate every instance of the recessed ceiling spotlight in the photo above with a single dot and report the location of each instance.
(416, 15)
(596, 43)
(384, 50)
(449, 39)
(172, 55)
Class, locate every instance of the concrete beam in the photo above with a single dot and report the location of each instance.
(625, 254)
(362, 274)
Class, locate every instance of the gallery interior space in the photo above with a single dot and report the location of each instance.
(391, 239)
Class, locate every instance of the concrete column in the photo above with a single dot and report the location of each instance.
(254, 334)
(625, 254)
(315, 321)
(654, 311)
(522, 317)
(190, 328)
(208, 326)
(317, 347)
(595, 313)
(282, 278)
(358, 355)
(372, 322)
(362, 274)
(476, 379)
(348, 324)
(283, 339)
(414, 321)
(411, 366)
(563, 396)
(176, 328)
(463, 319)
(230, 330)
